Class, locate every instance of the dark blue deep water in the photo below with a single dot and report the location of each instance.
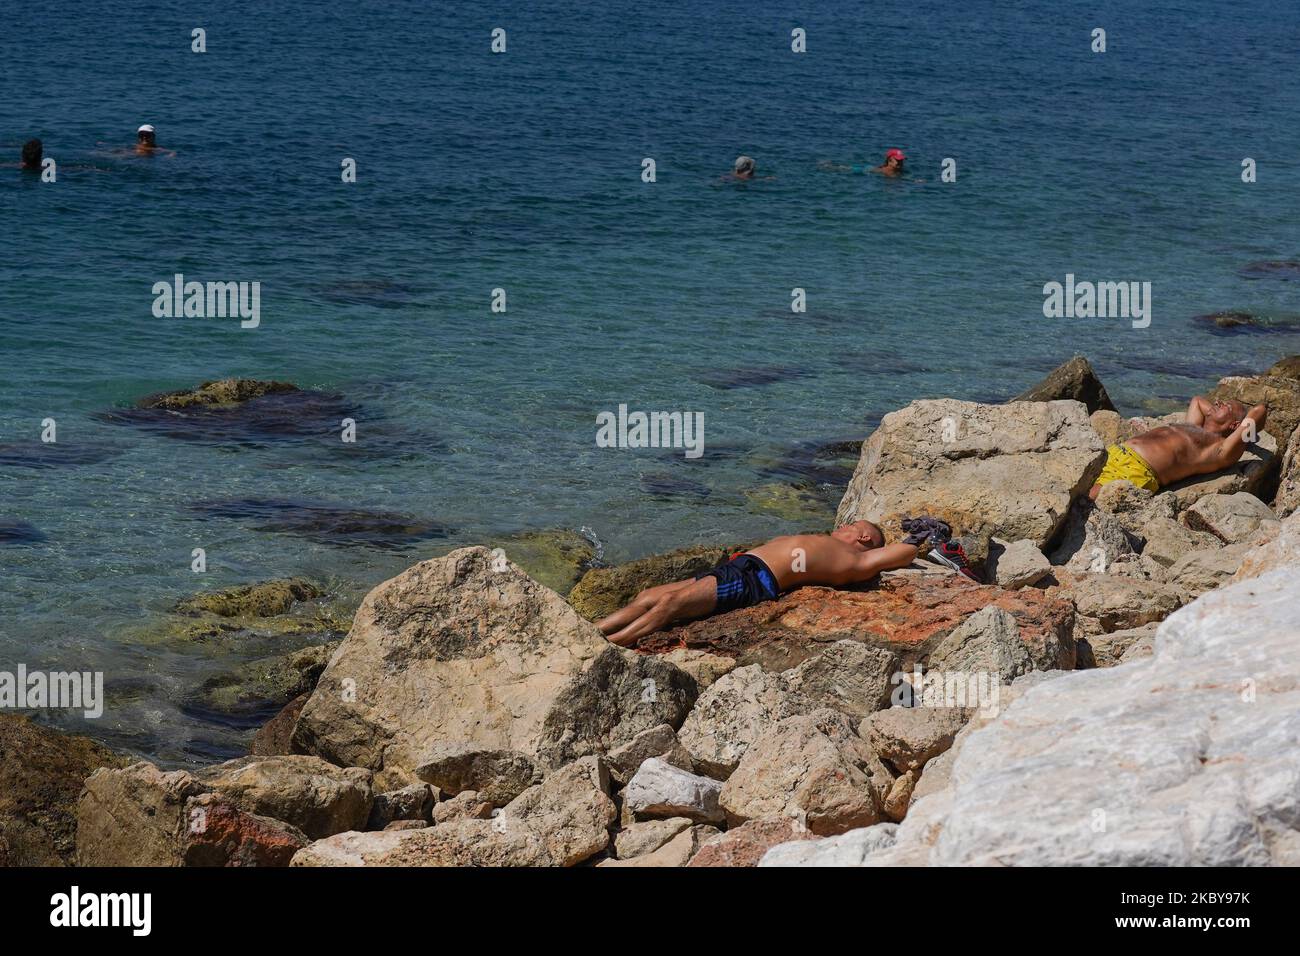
(522, 171)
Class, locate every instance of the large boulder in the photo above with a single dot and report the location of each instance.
(41, 773)
(907, 738)
(1075, 380)
(1230, 518)
(814, 768)
(745, 845)
(1010, 470)
(560, 822)
(221, 834)
(466, 649)
(135, 816)
(1183, 759)
(847, 849)
(1201, 571)
(1278, 548)
(1093, 539)
(497, 776)
(1017, 565)
(851, 677)
(317, 797)
(1113, 602)
(732, 714)
(986, 642)
(906, 614)
(660, 790)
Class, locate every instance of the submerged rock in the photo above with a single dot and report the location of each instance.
(19, 532)
(239, 411)
(41, 773)
(1270, 269)
(1074, 380)
(250, 693)
(555, 557)
(1009, 470)
(324, 522)
(798, 505)
(267, 599)
(62, 454)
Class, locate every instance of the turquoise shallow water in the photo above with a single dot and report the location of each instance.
(522, 171)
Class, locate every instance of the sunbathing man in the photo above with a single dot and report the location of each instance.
(849, 555)
(1214, 437)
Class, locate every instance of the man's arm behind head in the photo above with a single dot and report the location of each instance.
(1230, 449)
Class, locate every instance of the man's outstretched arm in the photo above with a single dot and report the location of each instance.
(1229, 451)
(885, 558)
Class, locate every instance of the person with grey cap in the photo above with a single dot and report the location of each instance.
(745, 170)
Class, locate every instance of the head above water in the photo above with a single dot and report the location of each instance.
(894, 158)
(33, 152)
(863, 534)
(144, 135)
(1224, 416)
(745, 166)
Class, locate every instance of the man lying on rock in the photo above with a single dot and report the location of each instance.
(1213, 438)
(852, 554)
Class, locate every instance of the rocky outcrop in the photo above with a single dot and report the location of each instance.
(814, 768)
(907, 614)
(1074, 380)
(1288, 488)
(1017, 565)
(467, 650)
(986, 642)
(745, 845)
(660, 790)
(316, 797)
(561, 822)
(1179, 760)
(1011, 471)
(41, 773)
(497, 776)
(250, 600)
(222, 392)
(1230, 518)
(135, 816)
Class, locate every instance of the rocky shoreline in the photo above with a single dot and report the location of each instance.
(1145, 651)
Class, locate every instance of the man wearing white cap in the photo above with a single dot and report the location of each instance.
(145, 144)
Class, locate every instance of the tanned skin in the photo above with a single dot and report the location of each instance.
(1213, 438)
(849, 555)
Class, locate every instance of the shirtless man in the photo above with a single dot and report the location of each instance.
(849, 555)
(1214, 437)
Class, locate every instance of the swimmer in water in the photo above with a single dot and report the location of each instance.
(145, 144)
(745, 169)
(33, 152)
(893, 164)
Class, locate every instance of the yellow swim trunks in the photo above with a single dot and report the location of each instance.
(1124, 464)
